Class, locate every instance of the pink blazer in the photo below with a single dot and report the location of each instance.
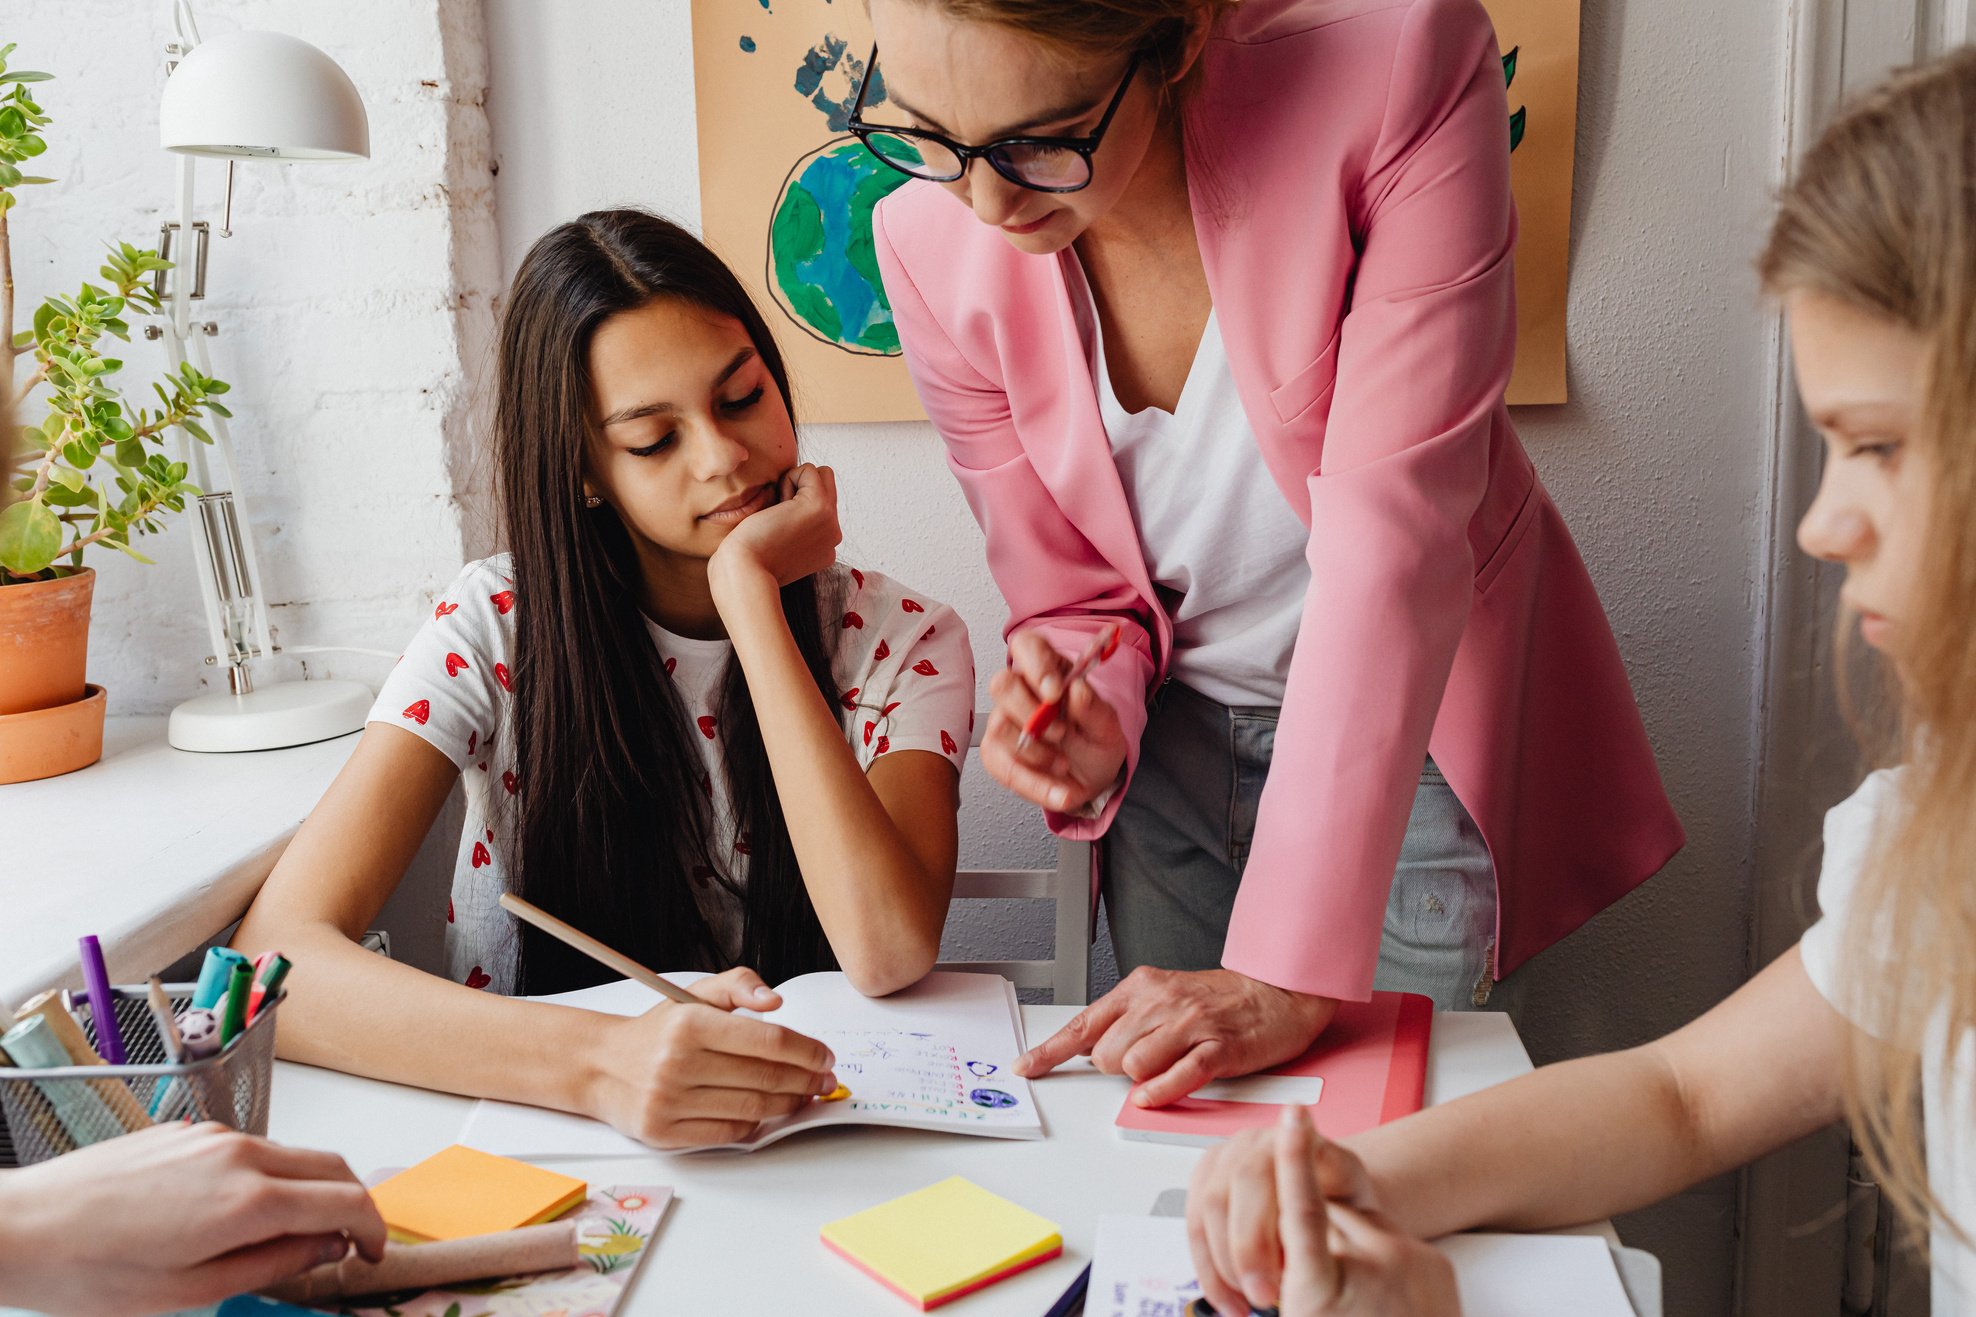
(1349, 162)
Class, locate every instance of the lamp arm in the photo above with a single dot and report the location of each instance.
(241, 518)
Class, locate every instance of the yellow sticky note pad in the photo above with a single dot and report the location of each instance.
(462, 1191)
(943, 1241)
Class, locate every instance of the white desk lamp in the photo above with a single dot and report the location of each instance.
(244, 96)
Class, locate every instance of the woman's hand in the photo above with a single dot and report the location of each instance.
(1263, 1234)
(681, 1077)
(795, 537)
(175, 1216)
(1080, 754)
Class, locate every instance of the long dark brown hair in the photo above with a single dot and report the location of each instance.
(611, 819)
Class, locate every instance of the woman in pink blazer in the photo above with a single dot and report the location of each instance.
(1175, 252)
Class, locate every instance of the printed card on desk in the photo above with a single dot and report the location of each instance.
(1141, 1267)
(1368, 1068)
(614, 1226)
(937, 1056)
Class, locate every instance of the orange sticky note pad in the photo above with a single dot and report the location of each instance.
(946, 1240)
(462, 1191)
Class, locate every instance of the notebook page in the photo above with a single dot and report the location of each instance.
(939, 1055)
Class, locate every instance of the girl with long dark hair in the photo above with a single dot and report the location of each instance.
(682, 727)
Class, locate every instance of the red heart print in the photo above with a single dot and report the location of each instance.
(473, 738)
(480, 855)
(970, 722)
(884, 744)
(741, 846)
(702, 875)
(706, 786)
(418, 711)
(503, 601)
(886, 712)
(449, 910)
(478, 979)
(870, 727)
(947, 742)
(928, 635)
(883, 652)
(925, 668)
(455, 665)
(707, 726)
(443, 608)
(853, 620)
(511, 782)
(849, 699)
(671, 664)
(858, 576)
(482, 765)
(501, 675)
(911, 607)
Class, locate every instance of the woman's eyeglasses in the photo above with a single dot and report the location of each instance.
(1043, 164)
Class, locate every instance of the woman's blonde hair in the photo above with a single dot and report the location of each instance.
(1882, 217)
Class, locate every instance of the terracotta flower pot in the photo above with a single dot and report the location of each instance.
(44, 642)
(50, 721)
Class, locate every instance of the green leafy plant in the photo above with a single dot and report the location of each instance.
(93, 471)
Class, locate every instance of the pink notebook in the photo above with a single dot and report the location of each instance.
(1368, 1068)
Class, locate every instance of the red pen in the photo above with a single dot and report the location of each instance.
(1100, 649)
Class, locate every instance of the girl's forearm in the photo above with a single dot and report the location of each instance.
(1573, 1142)
(352, 1010)
(878, 905)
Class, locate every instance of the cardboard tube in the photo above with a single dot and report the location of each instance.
(115, 1094)
(550, 1247)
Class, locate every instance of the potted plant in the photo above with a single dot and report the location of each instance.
(88, 473)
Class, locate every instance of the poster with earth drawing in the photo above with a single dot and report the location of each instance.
(786, 193)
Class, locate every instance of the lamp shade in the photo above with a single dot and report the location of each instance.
(264, 96)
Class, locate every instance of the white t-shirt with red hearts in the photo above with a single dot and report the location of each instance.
(905, 680)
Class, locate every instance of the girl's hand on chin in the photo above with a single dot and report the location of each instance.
(795, 537)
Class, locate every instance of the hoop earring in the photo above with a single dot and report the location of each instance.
(592, 501)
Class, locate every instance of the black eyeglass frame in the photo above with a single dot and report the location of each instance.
(1083, 146)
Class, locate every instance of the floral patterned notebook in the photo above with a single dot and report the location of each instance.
(614, 1227)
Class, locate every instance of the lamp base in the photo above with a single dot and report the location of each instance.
(270, 717)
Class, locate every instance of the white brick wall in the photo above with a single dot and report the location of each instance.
(354, 300)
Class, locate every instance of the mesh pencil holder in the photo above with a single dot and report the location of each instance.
(45, 1113)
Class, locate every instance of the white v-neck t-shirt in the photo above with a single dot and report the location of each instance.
(1948, 1095)
(1223, 549)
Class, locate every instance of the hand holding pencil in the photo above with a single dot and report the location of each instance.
(1051, 738)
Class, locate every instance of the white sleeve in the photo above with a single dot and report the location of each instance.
(921, 695)
(450, 688)
(1852, 830)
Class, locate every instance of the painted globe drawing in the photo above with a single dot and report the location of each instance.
(821, 267)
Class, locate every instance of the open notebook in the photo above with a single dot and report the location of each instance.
(936, 1056)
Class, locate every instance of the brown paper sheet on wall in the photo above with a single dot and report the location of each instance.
(1543, 100)
(786, 193)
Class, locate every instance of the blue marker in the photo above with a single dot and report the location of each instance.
(215, 974)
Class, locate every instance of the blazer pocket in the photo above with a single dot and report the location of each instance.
(1308, 387)
(1519, 528)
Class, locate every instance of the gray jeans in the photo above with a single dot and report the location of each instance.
(1173, 859)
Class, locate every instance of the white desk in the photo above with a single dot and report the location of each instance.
(152, 849)
(742, 1236)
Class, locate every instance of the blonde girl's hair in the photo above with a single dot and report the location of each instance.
(1882, 217)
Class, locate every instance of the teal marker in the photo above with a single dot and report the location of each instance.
(214, 975)
(81, 1112)
(233, 1014)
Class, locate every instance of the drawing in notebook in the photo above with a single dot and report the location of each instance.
(936, 1056)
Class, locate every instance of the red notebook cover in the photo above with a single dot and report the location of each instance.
(1373, 1060)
